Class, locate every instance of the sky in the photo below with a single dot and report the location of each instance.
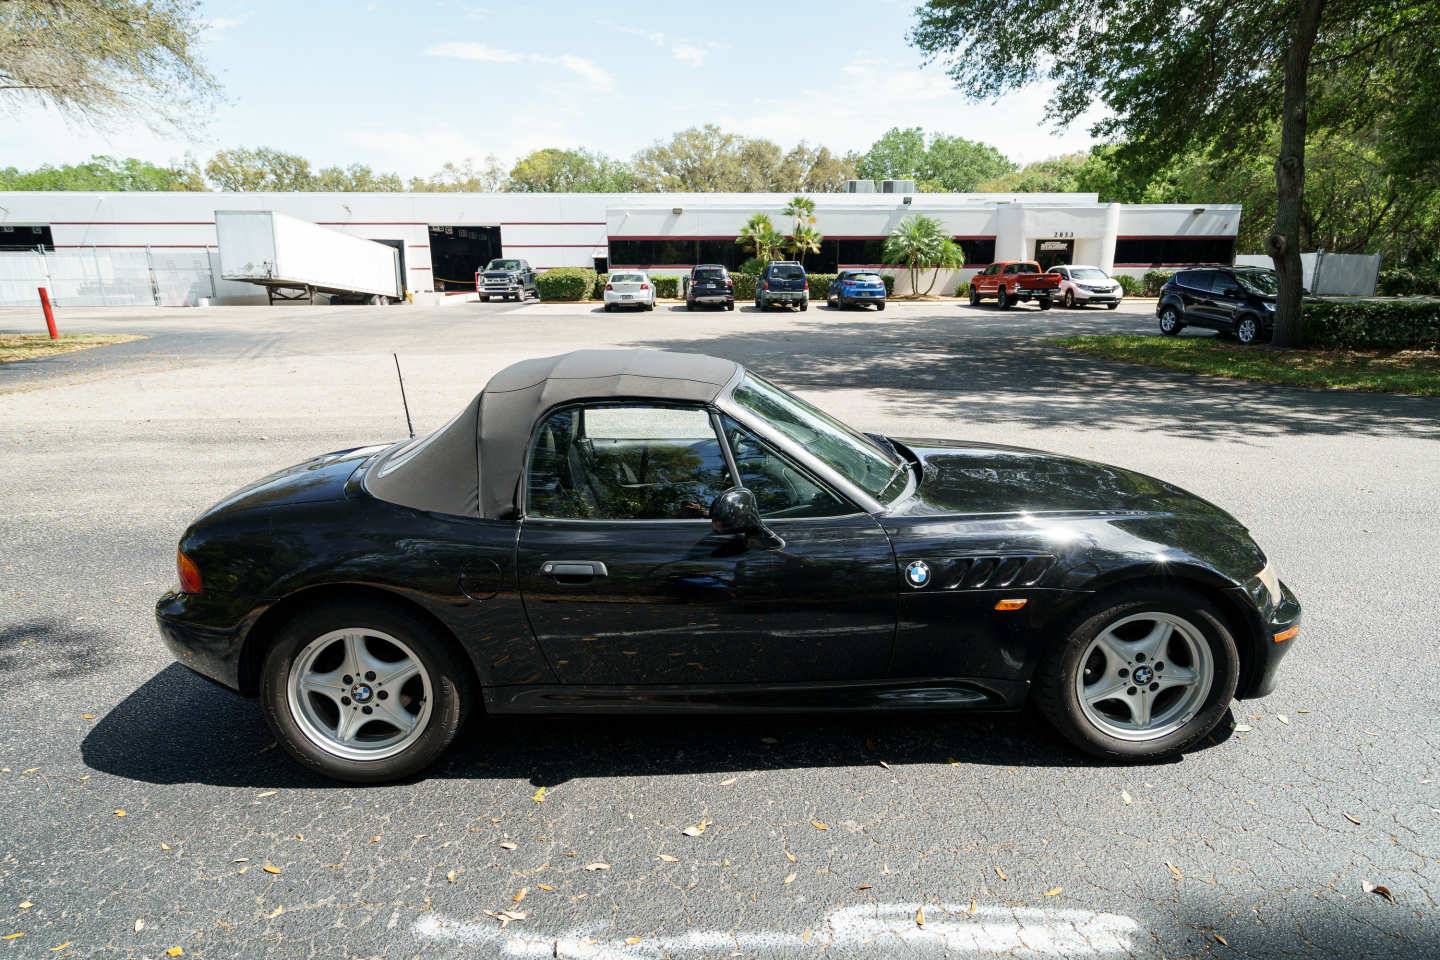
(405, 85)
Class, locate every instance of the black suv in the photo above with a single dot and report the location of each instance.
(710, 283)
(1238, 300)
(782, 281)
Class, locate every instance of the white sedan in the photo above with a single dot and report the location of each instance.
(1081, 285)
(629, 288)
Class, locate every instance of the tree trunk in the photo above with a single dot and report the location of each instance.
(933, 277)
(1283, 244)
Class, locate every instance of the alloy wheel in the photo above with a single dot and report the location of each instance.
(1144, 676)
(359, 694)
(1246, 330)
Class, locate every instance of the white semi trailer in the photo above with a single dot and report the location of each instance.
(295, 259)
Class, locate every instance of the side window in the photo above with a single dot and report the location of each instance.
(781, 489)
(1012, 268)
(625, 463)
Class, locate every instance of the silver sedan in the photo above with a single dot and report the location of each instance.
(630, 288)
(1081, 285)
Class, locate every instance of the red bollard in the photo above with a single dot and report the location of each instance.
(49, 314)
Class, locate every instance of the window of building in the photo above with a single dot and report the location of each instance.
(26, 237)
(1173, 251)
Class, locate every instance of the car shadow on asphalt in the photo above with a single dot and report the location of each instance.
(968, 364)
(181, 728)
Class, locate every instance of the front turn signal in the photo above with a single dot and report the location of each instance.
(1284, 635)
(1010, 604)
(189, 574)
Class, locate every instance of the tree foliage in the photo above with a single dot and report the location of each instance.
(919, 243)
(1213, 77)
(707, 159)
(760, 237)
(264, 168)
(463, 178)
(569, 171)
(105, 173)
(105, 61)
(937, 163)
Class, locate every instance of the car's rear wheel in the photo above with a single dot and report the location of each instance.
(1003, 299)
(1044, 303)
(1247, 329)
(1170, 323)
(1069, 299)
(1142, 673)
(880, 305)
(363, 692)
(974, 296)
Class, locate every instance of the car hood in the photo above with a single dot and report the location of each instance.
(316, 479)
(980, 478)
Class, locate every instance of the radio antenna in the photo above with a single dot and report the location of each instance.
(408, 425)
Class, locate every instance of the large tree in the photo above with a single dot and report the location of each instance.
(264, 168)
(707, 160)
(1181, 75)
(105, 61)
(936, 163)
(569, 171)
(105, 173)
(463, 178)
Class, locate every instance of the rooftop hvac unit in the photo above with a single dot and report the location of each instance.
(859, 186)
(897, 186)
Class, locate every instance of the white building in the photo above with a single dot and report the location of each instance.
(110, 247)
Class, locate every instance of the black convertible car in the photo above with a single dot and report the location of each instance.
(623, 531)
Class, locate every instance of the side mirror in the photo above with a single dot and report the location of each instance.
(736, 512)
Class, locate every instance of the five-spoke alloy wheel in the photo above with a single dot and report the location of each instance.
(363, 691)
(1144, 672)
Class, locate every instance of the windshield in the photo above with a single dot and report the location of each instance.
(504, 265)
(787, 272)
(865, 278)
(627, 278)
(847, 451)
(712, 273)
(1088, 273)
(1258, 281)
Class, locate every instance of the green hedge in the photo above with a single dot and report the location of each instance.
(962, 289)
(599, 292)
(566, 283)
(1360, 324)
(1154, 280)
(744, 286)
(1407, 282)
(1129, 285)
(666, 286)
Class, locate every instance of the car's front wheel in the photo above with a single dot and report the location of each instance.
(1247, 330)
(1069, 299)
(974, 296)
(1170, 323)
(363, 691)
(1142, 673)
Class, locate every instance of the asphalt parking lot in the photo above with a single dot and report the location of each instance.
(147, 809)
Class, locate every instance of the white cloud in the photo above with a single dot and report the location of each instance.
(689, 53)
(216, 25)
(597, 76)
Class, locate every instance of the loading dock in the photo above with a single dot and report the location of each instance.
(457, 251)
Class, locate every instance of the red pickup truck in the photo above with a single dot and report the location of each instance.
(1012, 280)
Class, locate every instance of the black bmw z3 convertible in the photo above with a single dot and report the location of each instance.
(637, 531)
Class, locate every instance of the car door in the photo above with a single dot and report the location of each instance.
(625, 582)
(1195, 289)
(1226, 299)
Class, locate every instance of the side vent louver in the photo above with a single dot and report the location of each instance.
(992, 573)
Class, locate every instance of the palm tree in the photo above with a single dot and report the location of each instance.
(804, 240)
(947, 257)
(917, 243)
(801, 210)
(759, 235)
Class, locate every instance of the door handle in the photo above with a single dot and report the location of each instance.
(571, 571)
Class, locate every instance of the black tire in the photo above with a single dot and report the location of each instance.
(1069, 299)
(730, 305)
(451, 689)
(689, 305)
(1044, 302)
(1112, 306)
(484, 299)
(1247, 329)
(804, 305)
(1055, 679)
(974, 297)
(880, 305)
(1003, 300)
(1169, 320)
(609, 308)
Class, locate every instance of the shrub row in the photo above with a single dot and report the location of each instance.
(1406, 282)
(1130, 285)
(566, 283)
(1154, 280)
(1374, 324)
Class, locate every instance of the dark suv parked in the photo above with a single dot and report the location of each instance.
(710, 283)
(782, 281)
(1236, 300)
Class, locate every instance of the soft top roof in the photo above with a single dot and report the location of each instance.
(472, 465)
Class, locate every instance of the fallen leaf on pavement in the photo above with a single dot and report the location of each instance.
(633, 940)
(952, 761)
(164, 846)
(1353, 819)
(174, 952)
(544, 886)
(973, 906)
(1378, 890)
(726, 783)
(1175, 870)
(696, 830)
(520, 896)
(139, 925)
(1301, 710)
(1282, 718)
(883, 764)
(598, 865)
(450, 876)
(768, 740)
(26, 904)
(789, 856)
(1001, 874)
(119, 813)
(62, 946)
(1222, 940)
(789, 879)
(818, 825)
(1125, 795)
(275, 913)
(539, 795)
(269, 869)
(1241, 727)
(13, 936)
(87, 716)
(375, 839)
(267, 793)
(864, 886)
(1053, 891)
(506, 845)
(920, 916)
(667, 858)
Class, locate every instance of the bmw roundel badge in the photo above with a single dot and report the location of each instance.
(917, 573)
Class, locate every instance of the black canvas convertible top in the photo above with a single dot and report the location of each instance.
(471, 466)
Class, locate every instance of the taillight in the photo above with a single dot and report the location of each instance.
(767, 284)
(608, 287)
(189, 574)
(806, 285)
(729, 282)
(644, 286)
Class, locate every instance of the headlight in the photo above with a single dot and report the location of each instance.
(1269, 306)
(1272, 582)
